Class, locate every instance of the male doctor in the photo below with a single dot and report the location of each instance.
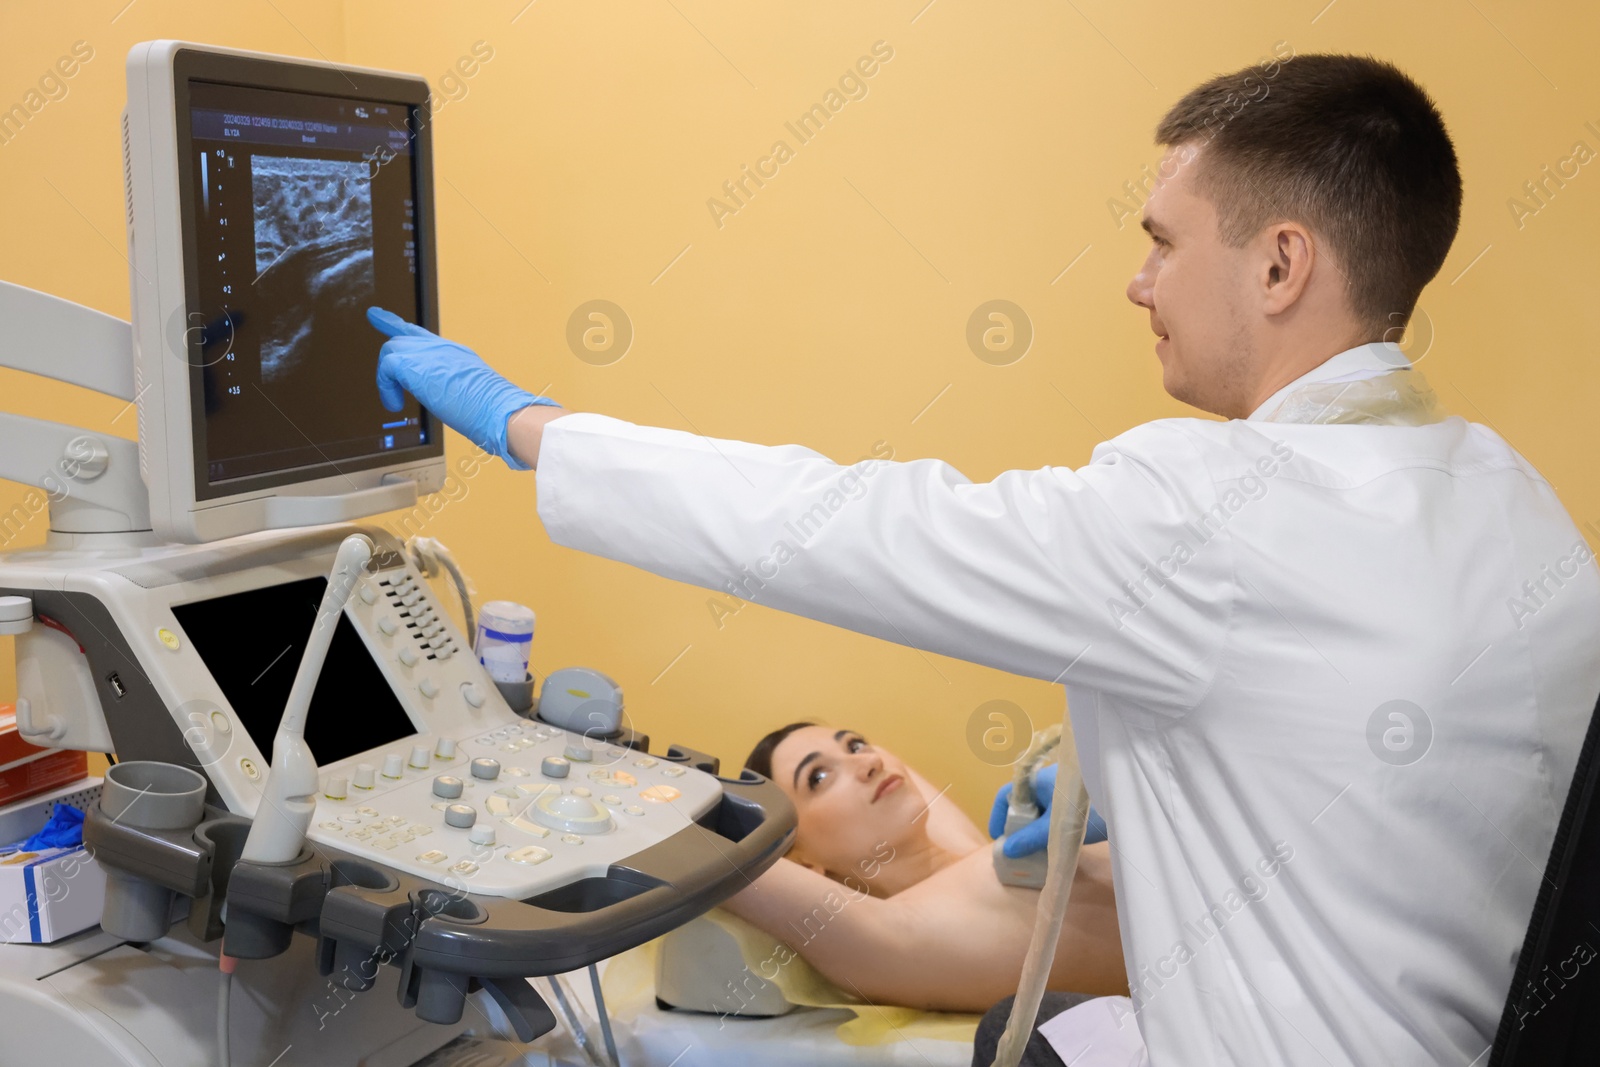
(1328, 660)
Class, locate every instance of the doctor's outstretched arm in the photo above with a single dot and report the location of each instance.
(1060, 574)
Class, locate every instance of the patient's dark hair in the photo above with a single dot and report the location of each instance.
(1348, 145)
(760, 758)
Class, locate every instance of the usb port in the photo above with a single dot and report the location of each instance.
(115, 682)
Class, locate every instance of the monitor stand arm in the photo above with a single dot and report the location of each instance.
(89, 482)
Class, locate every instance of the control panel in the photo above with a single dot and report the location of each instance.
(512, 811)
(424, 768)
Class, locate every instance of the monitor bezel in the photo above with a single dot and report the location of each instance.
(191, 65)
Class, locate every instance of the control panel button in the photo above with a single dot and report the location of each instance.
(367, 595)
(363, 778)
(460, 816)
(660, 794)
(447, 786)
(446, 748)
(577, 750)
(433, 856)
(394, 765)
(527, 826)
(472, 694)
(529, 855)
(419, 757)
(368, 812)
(572, 839)
(386, 626)
(482, 834)
(465, 867)
(338, 787)
(611, 798)
(486, 768)
(350, 819)
(634, 809)
(554, 767)
(407, 656)
(581, 791)
(646, 761)
(330, 825)
(672, 772)
(428, 688)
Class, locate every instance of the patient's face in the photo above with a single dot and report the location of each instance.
(853, 799)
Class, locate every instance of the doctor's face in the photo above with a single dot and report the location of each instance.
(1193, 285)
(851, 797)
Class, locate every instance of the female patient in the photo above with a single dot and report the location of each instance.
(890, 890)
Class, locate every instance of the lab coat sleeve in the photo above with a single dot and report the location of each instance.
(1075, 577)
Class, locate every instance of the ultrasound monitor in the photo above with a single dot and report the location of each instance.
(271, 201)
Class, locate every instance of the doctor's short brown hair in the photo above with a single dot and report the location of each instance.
(1348, 146)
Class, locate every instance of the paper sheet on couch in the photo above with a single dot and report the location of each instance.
(1102, 1032)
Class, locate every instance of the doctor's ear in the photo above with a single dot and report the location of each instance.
(1286, 269)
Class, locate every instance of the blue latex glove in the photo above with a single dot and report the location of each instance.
(63, 830)
(450, 381)
(1033, 837)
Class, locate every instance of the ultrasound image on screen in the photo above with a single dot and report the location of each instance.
(313, 228)
(305, 212)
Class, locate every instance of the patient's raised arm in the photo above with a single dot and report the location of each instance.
(953, 942)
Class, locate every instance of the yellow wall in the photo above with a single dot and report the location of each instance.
(831, 308)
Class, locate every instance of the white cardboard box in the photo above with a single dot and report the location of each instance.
(47, 894)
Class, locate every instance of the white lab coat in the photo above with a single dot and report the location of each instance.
(1232, 606)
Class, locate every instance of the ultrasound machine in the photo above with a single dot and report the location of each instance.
(327, 829)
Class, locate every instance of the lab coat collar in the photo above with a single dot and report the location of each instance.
(1351, 365)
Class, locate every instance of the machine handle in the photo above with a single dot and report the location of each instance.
(650, 893)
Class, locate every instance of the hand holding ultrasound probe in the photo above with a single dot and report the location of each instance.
(287, 803)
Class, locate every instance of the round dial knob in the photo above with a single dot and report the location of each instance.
(447, 786)
(554, 767)
(394, 765)
(577, 750)
(486, 768)
(481, 834)
(429, 688)
(472, 695)
(338, 787)
(419, 756)
(364, 773)
(460, 815)
(446, 749)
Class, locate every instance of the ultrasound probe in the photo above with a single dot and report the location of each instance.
(279, 830)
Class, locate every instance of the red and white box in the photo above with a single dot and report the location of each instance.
(28, 770)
